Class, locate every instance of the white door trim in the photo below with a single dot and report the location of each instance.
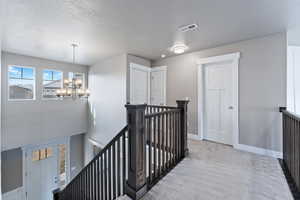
(64, 140)
(234, 57)
(143, 68)
(164, 69)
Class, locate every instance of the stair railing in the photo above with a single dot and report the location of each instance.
(291, 148)
(153, 142)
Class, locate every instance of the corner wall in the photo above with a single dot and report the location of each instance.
(107, 113)
(262, 87)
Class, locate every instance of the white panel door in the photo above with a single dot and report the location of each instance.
(42, 175)
(139, 84)
(158, 87)
(218, 107)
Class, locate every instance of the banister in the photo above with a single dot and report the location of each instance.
(120, 167)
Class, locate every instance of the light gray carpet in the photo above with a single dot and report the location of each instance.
(219, 172)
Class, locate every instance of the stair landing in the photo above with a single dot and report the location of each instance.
(219, 172)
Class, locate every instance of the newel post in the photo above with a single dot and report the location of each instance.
(182, 104)
(136, 185)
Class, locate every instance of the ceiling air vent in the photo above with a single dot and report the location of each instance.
(186, 28)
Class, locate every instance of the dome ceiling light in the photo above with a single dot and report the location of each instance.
(179, 48)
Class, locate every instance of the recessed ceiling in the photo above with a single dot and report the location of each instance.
(147, 28)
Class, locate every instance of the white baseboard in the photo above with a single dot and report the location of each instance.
(248, 148)
(16, 194)
(194, 136)
(260, 151)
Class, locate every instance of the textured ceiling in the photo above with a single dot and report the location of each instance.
(147, 28)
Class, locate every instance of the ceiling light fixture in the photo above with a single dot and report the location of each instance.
(163, 55)
(179, 48)
(73, 87)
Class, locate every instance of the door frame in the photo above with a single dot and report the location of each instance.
(143, 68)
(64, 140)
(234, 58)
(163, 69)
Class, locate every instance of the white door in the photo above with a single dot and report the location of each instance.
(46, 169)
(218, 101)
(158, 85)
(139, 84)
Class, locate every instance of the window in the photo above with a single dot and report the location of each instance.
(52, 80)
(77, 76)
(21, 83)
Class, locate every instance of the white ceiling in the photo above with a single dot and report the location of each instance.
(147, 28)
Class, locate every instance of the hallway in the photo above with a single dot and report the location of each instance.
(218, 172)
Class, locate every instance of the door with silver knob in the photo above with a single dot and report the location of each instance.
(218, 103)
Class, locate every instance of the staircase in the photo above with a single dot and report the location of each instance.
(152, 143)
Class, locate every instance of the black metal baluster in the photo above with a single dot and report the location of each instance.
(95, 180)
(163, 148)
(98, 178)
(154, 146)
(109, 173)
(119, 166)
(150, 148)
(174, 137)
(180, 136)
(101, 173)
(105, 175)
(177, 137)
(159, 144)
(124, 161)
(85, 185)
(167, 139)
(114, 170)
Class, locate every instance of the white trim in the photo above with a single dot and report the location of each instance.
(164, 69)
(143, 68)
(234, 57)
(159, 68)
(16, 194)
(192, 136)
(96, 143)
(260, 151)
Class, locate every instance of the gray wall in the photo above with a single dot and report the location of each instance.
(76, 154)
(107, 114)
(136, 60)
(31, 122)
(11, 170)
(262, 87)
(12, 163)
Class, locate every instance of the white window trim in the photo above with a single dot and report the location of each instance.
(62, 83)
(34, 84)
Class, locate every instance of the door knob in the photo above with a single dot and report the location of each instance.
(230, 107)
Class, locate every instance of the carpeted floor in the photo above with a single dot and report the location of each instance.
(219, 172)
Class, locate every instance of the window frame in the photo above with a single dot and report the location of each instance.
(62, 83)
(34, 83)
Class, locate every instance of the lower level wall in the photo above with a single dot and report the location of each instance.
(12, 164)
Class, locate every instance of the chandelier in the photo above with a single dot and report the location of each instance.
(73, 87)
